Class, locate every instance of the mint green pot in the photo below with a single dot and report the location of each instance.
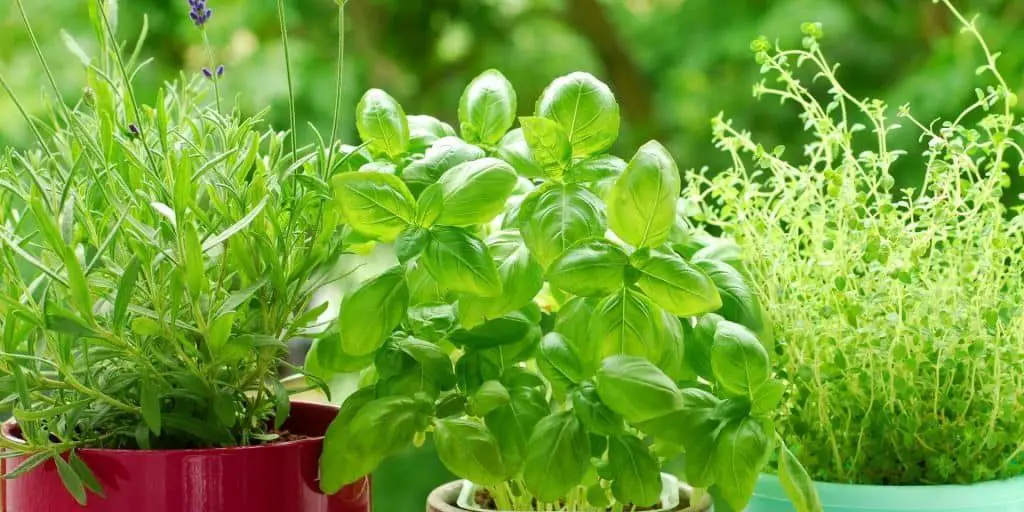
(1000, 496)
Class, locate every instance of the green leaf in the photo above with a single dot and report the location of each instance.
(740, 303)
(125, 288)
(461, 262)
(642, 203)
(694, 426)
(674, 284)
(513, 149)
(521, 280)
(442, 156)
(429, 206)
(423, 288)
(673, 348)
(282, 404)
(796, 482)
(424, 131)
(431, 321)
(636, 474)
(766, 398)
(636, 389)
(741, 450)
(327, 357)
(626, 323)
(573, 322)
(556, 217)
(505, 330)
(374, 204)
(490, 396)
(218, 330)
(435, 362)
(487, 108)
(559, 363)
(549, 145)
(475, 192)
(596, 169)
(590, 268)
(224, 409)
(470, 451)
(586, 108)
(698, 345)
(739, 362)
(86, 475)
(557, 457)
(382, 124)
(513, 423)
(596, 416)
(410, 243)
(149, 400)
(72, 482)
(372, 311)
(65, 322)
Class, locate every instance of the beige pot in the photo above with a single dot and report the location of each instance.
(443, 499)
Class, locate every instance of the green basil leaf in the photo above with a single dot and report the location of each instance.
(590, 268)
(431, 321)
(557, 457)
(694, 426)
(505, 330)
(435, 363)
(674, 284)
(642, 203)
(513, 149)
(350, 158)
(487, 108)
(556, 217)
(636, 389)
(382, 124)
(740, 303)
(573, 322)
(374, 204)
(491, 395)
(549, 145)
(698, 345)
(741, 450)
(740, 363)
(513, 423)
(626, 323)
(410, 243)
(559, 363)
(462, 262)
(636, 474)
(521, 280)
(424, 131)
(476, 367)
(423, 288)
(475, 192)
(726, 251)
(673, 348)
(766, 398)
(429, 206)
(327, 357)
(470, 451)
(596, 169)
(371, 312)
(586, 108)
(442, 156)
(796, 482)
(596, 416)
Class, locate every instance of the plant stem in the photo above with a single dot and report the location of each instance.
(213, 68)
(337, 89)
(288, 73)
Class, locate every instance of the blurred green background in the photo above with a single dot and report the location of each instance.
(673, 64)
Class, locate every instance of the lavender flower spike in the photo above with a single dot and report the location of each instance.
(199, 13)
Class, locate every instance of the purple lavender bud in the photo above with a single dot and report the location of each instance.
(220, 70)
(199, 13)
(207, 73)
(134, 129)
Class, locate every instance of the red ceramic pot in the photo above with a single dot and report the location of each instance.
(279, 477)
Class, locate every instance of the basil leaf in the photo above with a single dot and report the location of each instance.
(626, 323)
(442, 156)
(521, 279)
(642, 203)
(431, 321)
(693, 426)
(673, 343)
(500, 331)
(559, 363)
(766, 398)
(435, 363)
(474, 368)
(556, 217)
(475, 192)
(513, 149)
(740, 303)
(674, 284)
(548, 143)
(490, 396)
(462, 262)
(423, 288)
(326, 357)
(374, 204)
(698, 345)
(558, 455)
(739, 362)
(382, 124)
(636, 474)
(513, 424)
(429, 206)
(796, 482)
(469, 450)
(487, 108)
(741, 450)
(410, 243)
(350, 158)
(371, 312)
(590, 268)
(596, 416)
(636, 389)
(424, 131)
(573, 322)
(596, 169)
(586, 108)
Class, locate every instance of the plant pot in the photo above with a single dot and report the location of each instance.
(999, 496)
(274, 477)
(446, 498)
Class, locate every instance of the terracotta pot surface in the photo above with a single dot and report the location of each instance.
(278, 477)
(443, 499)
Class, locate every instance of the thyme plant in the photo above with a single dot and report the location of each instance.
(898, 311)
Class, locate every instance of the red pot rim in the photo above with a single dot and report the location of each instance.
(11, 431)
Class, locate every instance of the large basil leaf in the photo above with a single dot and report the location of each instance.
(461, 262)
(430, 321)
(559, 363)
(491, 395)
(500, 331)
(586, 108)
(423, 288)
(741, 451)
(698, 345)
(487, 108)
(596, 416)
(626, 323)
(521, 279)
(382, 124)
(573, 322)
(557, 457)
(513, 149)
(797, 483)
(548, 143)
(469, 450)
(642, 203)
(424, 131)
(327, 357)
(556, 217)
(434, 362)
(513, 423)
(475, 192)
(372, 311)
(673, 348)
(410, 243)
(739, 362)
(636, 389)
(636, 474)
(590, 268)
(374, 204)
(693, 426)
(474, 368)
(596, 169)
(444, 154)
(740, 303)
(674, 284)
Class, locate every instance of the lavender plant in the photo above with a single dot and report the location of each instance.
(898, 311)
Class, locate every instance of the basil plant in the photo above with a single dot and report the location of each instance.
(551, 321)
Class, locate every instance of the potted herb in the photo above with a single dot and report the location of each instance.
(900, 309)
(539, 322)
(155, 261)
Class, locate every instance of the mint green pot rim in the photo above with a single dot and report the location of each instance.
(903, 497)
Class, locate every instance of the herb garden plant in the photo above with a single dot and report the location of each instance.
(898, 310)
(547, 321)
